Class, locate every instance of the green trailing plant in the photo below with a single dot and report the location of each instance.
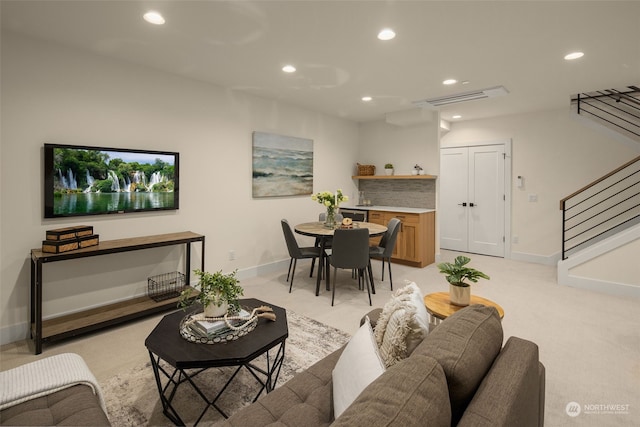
(388, 166)
(214, 288)
(457, 272)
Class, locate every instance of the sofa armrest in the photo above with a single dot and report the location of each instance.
(512, 392)
(373, 315)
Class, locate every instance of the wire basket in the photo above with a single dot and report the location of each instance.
(165, 286)
(366, 170)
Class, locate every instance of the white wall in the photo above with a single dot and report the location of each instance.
(403, 146)
(59, 95)
(556, 155)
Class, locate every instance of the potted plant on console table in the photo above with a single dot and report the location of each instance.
(219, 293)
(456, 274)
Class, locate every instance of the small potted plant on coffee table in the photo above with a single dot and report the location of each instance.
(218, 293)
(456, 274)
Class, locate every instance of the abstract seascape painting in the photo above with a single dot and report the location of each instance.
(282, 165)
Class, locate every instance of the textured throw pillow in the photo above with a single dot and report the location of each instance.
(402, 325)
(359, 365)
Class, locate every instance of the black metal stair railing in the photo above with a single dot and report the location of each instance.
(602, 208)
(615, 108)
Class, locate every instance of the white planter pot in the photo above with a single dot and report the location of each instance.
(460, 295)
(389, 171)
(212, 310)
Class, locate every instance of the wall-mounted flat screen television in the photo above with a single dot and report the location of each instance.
(81, 180)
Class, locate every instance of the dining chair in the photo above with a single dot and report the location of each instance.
(350, 250)
(384, 250)
(296, 252)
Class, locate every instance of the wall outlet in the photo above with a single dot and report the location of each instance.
(515, 239)
(533, 197)
(232, 254)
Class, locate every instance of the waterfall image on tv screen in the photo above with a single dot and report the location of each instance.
(92, 180)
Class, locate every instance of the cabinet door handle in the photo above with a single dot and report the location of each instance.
(472, 205)
(463, 204)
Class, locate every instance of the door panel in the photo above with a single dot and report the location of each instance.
(454, 180)
(486, 193)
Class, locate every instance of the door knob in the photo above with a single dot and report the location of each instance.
(462, 204)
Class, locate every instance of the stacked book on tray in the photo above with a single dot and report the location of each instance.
(208, 329)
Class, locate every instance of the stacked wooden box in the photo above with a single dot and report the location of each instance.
(69, 239)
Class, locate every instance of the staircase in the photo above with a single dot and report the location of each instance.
(616, 109)
(601, 221)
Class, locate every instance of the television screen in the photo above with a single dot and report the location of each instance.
(81, 180)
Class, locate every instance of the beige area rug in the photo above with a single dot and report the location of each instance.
(132, 397)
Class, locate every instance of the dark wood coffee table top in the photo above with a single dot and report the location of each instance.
(165, 340)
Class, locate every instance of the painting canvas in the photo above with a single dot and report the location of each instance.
(282, 165)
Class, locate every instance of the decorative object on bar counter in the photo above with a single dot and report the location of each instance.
(456, 274)
(218, 293)
(331, 201)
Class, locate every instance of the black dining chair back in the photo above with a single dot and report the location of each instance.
(350, 250)
(384, 250)
(296, 252)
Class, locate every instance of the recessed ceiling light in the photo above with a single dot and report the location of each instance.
(366, 98)
(153, 17)
(457, 116)
(573, 55)
(289, 69)
(386, 34)
(450, 82)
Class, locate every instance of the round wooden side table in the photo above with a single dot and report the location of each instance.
(439, 305)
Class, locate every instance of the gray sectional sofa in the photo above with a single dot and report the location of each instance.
(460, 374)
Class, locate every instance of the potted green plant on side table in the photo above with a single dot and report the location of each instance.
(219, 293)
(456, 274)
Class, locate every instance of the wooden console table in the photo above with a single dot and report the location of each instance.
(108, 315)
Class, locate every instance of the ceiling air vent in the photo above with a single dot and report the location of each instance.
(491, 92)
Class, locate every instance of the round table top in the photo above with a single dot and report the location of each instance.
(317, 228)
(439, 304)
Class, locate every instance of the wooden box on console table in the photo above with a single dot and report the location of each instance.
(66, 245)
(69, 232)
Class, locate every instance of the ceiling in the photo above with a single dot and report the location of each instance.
(243, 45)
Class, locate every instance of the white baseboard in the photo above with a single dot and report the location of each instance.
(535, 258)
(599, 285)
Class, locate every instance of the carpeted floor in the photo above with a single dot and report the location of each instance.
(132, 397)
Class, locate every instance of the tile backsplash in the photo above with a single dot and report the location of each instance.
(419, 193)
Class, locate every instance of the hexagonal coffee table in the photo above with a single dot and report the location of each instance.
(189, 359)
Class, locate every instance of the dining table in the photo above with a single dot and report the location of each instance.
(323, 233)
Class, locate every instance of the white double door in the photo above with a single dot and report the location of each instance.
(472, 199)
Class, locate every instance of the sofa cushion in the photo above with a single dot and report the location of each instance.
(402, 325)
(512, 392)
(358, 366)
(72, 406)
(306, 399)
(413, 392)
(465, 344)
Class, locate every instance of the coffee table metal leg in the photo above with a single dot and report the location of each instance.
(167, 409)
(271, 374)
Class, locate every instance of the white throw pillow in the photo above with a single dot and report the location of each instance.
(359, 365)
(402, 325)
